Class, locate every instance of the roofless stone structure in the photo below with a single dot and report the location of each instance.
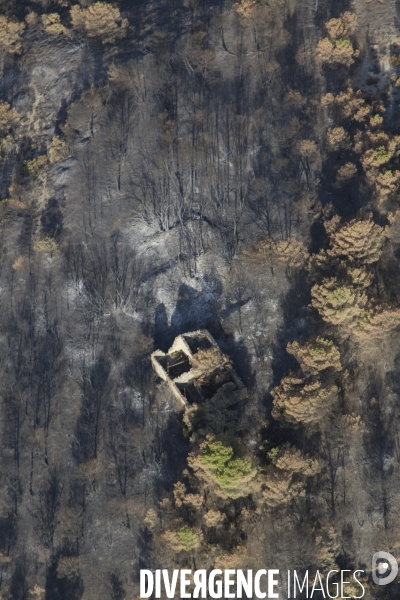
(195, 369)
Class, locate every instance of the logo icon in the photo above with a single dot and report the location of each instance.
(384, 568)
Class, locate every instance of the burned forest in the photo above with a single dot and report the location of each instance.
(199, 292)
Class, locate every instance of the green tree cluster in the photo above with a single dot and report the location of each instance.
(220, 462)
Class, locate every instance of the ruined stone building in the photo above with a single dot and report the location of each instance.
(195, 369)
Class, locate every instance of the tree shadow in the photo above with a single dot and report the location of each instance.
(59, 588)
(296, 325)
(193, 310)
(19, 583)
(238, 353)
(8, 532)
(144, 551)
(202, 310)
(61, 117)
(52, 220)
(161, 328)
(27, 229)
(176, 448)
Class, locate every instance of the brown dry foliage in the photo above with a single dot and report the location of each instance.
(293, 461)
(338, 303)
(67, 567)
(316, 355)
(232, 560)
(345, 173)
(300, 401)
(374, 158)
(194, 500)
(327, 100)
(169, 538)
(8, 117)
(307, 148)
(281, 489)
(151, 519)
(4, 559)
(358, 241)
(214, 518)
(10, 35)
(101, 20)
(290, 252)
(320, 264)
(52, 24)
(324, 50)
(332, 223)
(350, 426)
(183, 498)
(179, 493)
(360, 278)
(210, 365)
(294, 100)
(342, 27)
(337, 49)
(377, 138)
(58, 149)
(392, 231)
(37, 593)
(350, 103)
(339, 53)
(327, 549)
(245, 7)
(395, 60)
(387, 182)
(376, 326)
(285, 480)
(338, 139)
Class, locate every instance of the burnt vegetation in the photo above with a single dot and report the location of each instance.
(169, 166)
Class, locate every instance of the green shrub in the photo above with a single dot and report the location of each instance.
(232, 473)
(381, 155)
(344, 44)
(187, 538)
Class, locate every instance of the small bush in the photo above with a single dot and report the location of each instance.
(52, 24)
(68, 567)
(381, 155)
(9, 117)
(46, 246)
(395, 60)
(213, 518)
(183, 539)
(58, 149)
(376, 120)
(37, 593)
(345, 173)
(32, 168)
(187, 538)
